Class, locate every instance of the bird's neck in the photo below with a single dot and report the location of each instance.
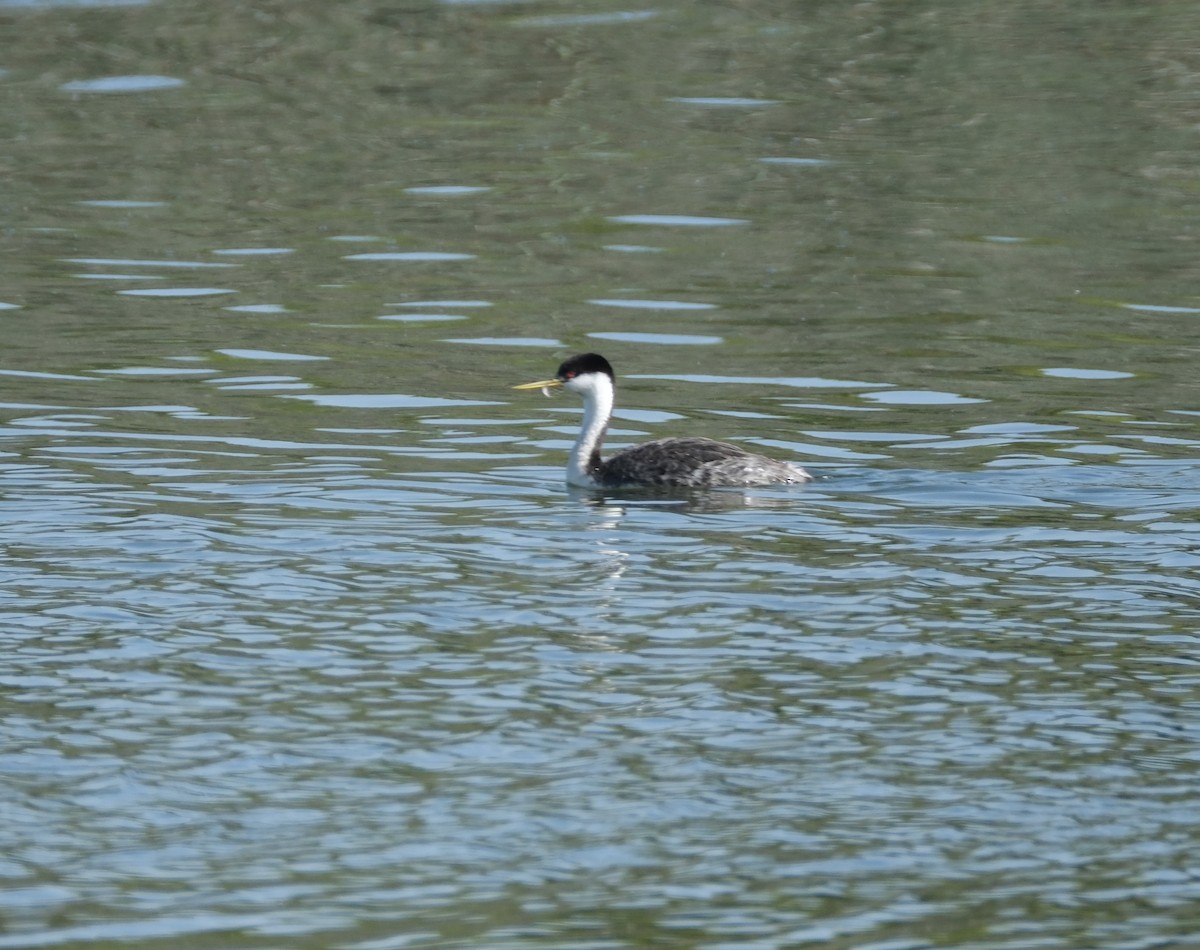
(584, 464)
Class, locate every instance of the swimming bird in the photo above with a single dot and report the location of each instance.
(677, 462)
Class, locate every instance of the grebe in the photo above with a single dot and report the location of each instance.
(680, 463)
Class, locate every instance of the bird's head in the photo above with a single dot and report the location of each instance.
(582, 374)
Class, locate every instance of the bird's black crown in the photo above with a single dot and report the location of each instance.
(584, 363)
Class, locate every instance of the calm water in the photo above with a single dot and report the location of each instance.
(305, 642)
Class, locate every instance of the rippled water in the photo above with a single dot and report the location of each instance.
(307, 644)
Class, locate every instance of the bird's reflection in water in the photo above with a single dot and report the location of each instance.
(682, 500)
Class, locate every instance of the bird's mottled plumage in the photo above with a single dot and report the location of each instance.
(676, 462)
(697, 462)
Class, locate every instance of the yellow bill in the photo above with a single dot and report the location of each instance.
(544, 385)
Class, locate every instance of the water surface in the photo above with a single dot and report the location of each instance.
(306, 643)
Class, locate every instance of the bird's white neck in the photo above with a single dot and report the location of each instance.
(597, 392)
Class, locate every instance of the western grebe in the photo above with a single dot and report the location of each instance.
(681, 463)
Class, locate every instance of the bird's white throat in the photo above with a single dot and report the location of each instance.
(598, 395)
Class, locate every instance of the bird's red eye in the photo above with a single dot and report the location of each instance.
(569, 374)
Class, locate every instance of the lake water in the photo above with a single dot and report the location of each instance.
(305, 642)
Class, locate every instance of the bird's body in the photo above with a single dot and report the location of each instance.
(663, 463)
(699, 463)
